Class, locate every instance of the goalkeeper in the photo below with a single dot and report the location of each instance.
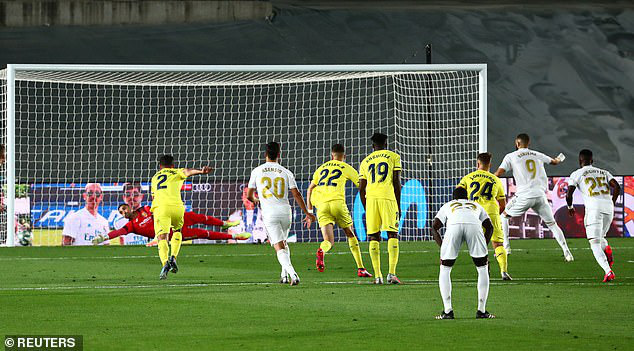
(141, 222)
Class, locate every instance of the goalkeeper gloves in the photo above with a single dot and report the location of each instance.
(99, 239)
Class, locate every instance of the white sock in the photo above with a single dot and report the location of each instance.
(444, 281)
(604, 244)
(483, 287)
(599, 255)
(559, 236)
(505, 230)
(284, 257)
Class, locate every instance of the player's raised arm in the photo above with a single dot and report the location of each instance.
(194, 171)
(557, 160)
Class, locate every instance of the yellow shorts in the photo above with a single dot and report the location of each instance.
(334, 212)
(167, 218)
(498, 234)
(381, 214)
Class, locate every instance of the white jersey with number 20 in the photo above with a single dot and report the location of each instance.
(273, 183)
(528, 171)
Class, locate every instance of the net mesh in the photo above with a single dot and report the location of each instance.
(75, 128)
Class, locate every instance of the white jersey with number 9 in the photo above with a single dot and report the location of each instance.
(273, 183)
(528, 171)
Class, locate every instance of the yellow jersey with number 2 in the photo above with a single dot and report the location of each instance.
(166, 187)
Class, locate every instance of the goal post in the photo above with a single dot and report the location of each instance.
(66, 126)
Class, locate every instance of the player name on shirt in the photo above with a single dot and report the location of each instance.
(526, 153)
(381, 154)
(271, 169)
(333, 164)
(490, 177)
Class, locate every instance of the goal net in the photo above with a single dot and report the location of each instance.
(67, 127)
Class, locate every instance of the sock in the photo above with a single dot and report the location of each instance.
(164, 251)
(199, 233)
(483, 287)
(392, 251)
(284, 258)
(559, 236)
(604, 244)
(196, 218)
(501, 256)
(505, 231)
(599, 255)
(375, 256)
(444, 282)
(353, 243)
(325, 245)
(175, 243)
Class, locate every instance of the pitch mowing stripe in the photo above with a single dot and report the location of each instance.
(547, 281)
(10, 258)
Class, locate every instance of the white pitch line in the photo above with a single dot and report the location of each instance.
(11, 258)
(548, 281)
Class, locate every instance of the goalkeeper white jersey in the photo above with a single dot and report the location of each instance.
(273, 183)
(528, 170)
(593, 184)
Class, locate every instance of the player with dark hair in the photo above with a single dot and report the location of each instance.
(600, 191)
(532, 184)
(486, 189)
(273, 183)
(327, 191)
(464, 220)
(141, 222)
(168, 209)
(380, 192)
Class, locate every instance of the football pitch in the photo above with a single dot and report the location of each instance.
(226, 297)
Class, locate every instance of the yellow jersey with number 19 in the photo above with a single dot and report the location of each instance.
(378, 170)
(484, 188)
(166, 187)
(330, 180)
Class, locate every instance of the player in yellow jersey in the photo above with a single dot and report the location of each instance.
(327, 192)
(380, 192)
(168, 209)
(486, 189)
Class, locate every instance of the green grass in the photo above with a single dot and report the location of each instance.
(226, 297)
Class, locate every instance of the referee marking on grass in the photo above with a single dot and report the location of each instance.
(10, 258)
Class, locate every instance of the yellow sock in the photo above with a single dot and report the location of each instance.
(164, 251)
(392, 251)
(501, 256)
(353, 243)
(325, 245)
(375, 256)
(175, 243)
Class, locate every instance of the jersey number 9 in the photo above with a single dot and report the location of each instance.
(531, 167)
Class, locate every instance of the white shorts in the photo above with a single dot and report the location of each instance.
(456, 234)
(277, 227)
(519, 205)
(597, 223)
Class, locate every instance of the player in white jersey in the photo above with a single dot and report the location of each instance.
(530, 178)
(600, 191)
(464, 220)
(273, 183)
(81, 227)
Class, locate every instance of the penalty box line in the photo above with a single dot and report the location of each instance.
(11, 258)
(547, 281)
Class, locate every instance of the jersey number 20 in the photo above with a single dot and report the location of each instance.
(275, 187)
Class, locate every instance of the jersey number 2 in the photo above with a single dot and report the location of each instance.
(161, 179)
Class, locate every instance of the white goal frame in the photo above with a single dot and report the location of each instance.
(13, 69)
